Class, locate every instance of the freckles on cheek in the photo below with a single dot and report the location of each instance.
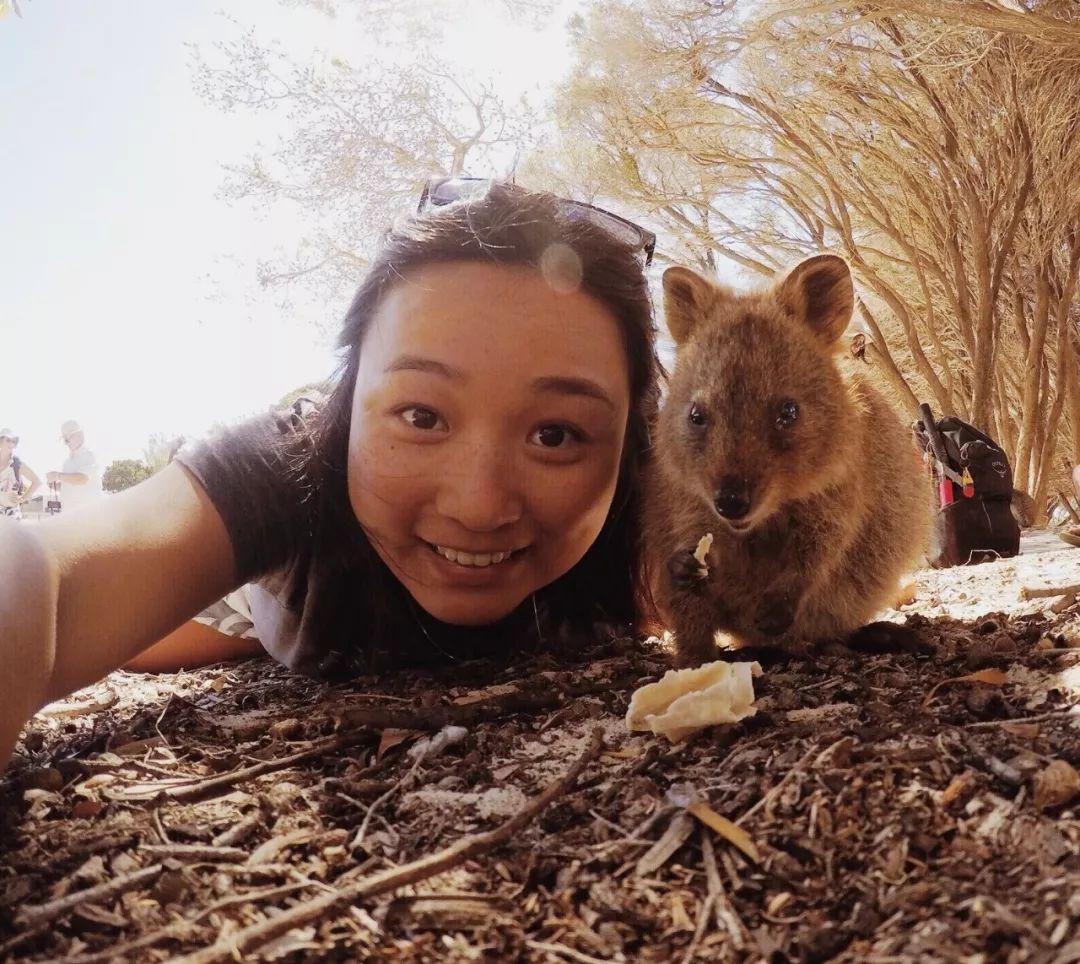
(371, 470)
(577, 508)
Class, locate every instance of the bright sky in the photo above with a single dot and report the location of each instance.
(128, 298)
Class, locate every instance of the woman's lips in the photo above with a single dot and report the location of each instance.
(478, 559)
(473, 568)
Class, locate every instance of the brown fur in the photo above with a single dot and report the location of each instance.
(839, 503)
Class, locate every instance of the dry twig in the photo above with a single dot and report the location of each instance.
(563, 951)
(200, 852)
(699, 931)
(36, 915)
(1044, 592)
(239, 832)
(1041, 718)
(218, 783)
(726, 917)
(362, 832)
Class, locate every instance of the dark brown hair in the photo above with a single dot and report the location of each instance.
(507, 226)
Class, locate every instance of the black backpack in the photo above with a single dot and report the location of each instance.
(16, 466)
(974, 482)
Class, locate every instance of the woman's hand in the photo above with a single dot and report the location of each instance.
(28, 595)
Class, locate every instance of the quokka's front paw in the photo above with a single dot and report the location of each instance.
(689, 654)
(686, 572)
(776, 614)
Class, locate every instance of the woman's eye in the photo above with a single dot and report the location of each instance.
(421, 418)
(787, 414)
(555, 436)
(696, 416)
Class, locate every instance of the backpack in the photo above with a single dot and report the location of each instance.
(974, 482)
(16, 465)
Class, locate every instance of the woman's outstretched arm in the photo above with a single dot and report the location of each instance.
(28, 593)
(81, 596)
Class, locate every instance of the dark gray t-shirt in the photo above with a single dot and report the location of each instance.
(268, 513)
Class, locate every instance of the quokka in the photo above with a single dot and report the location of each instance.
(803, 472)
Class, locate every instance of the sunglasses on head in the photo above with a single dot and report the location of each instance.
(446, 190)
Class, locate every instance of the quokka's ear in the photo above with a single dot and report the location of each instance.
(688, 298)
(819, 292)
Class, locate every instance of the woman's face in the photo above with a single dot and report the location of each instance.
(487, 431)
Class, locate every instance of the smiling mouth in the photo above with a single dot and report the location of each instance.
(475, 560)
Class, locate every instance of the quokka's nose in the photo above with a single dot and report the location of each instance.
(732, 499)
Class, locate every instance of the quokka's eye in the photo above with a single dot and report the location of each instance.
(696, 416)
(787, 414)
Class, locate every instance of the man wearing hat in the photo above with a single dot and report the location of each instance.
(79, 476)
(18, 482)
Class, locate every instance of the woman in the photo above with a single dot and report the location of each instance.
(18, 482)
(471, 483)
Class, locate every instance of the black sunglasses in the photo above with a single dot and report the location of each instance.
(446, 190)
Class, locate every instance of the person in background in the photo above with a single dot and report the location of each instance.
(80, 476)
(18, 482)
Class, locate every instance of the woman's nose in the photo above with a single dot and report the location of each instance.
(480, 490)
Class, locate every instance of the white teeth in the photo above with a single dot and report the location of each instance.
(478, 559)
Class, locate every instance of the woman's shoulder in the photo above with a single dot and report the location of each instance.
(257, 475)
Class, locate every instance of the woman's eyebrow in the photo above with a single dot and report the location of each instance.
(567, 385)
(417, 363)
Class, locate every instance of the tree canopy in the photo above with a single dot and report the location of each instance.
(933, 145)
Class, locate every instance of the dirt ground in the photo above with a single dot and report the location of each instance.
(883, 808)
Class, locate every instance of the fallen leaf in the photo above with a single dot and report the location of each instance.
(732, 833)
(957, 789)
(289, 729)
(392, 737)
(171, 886)
(1055, 785)
(92, 871)
(87, 808)
(991, 677)
(1029, 731)
(778, 903)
